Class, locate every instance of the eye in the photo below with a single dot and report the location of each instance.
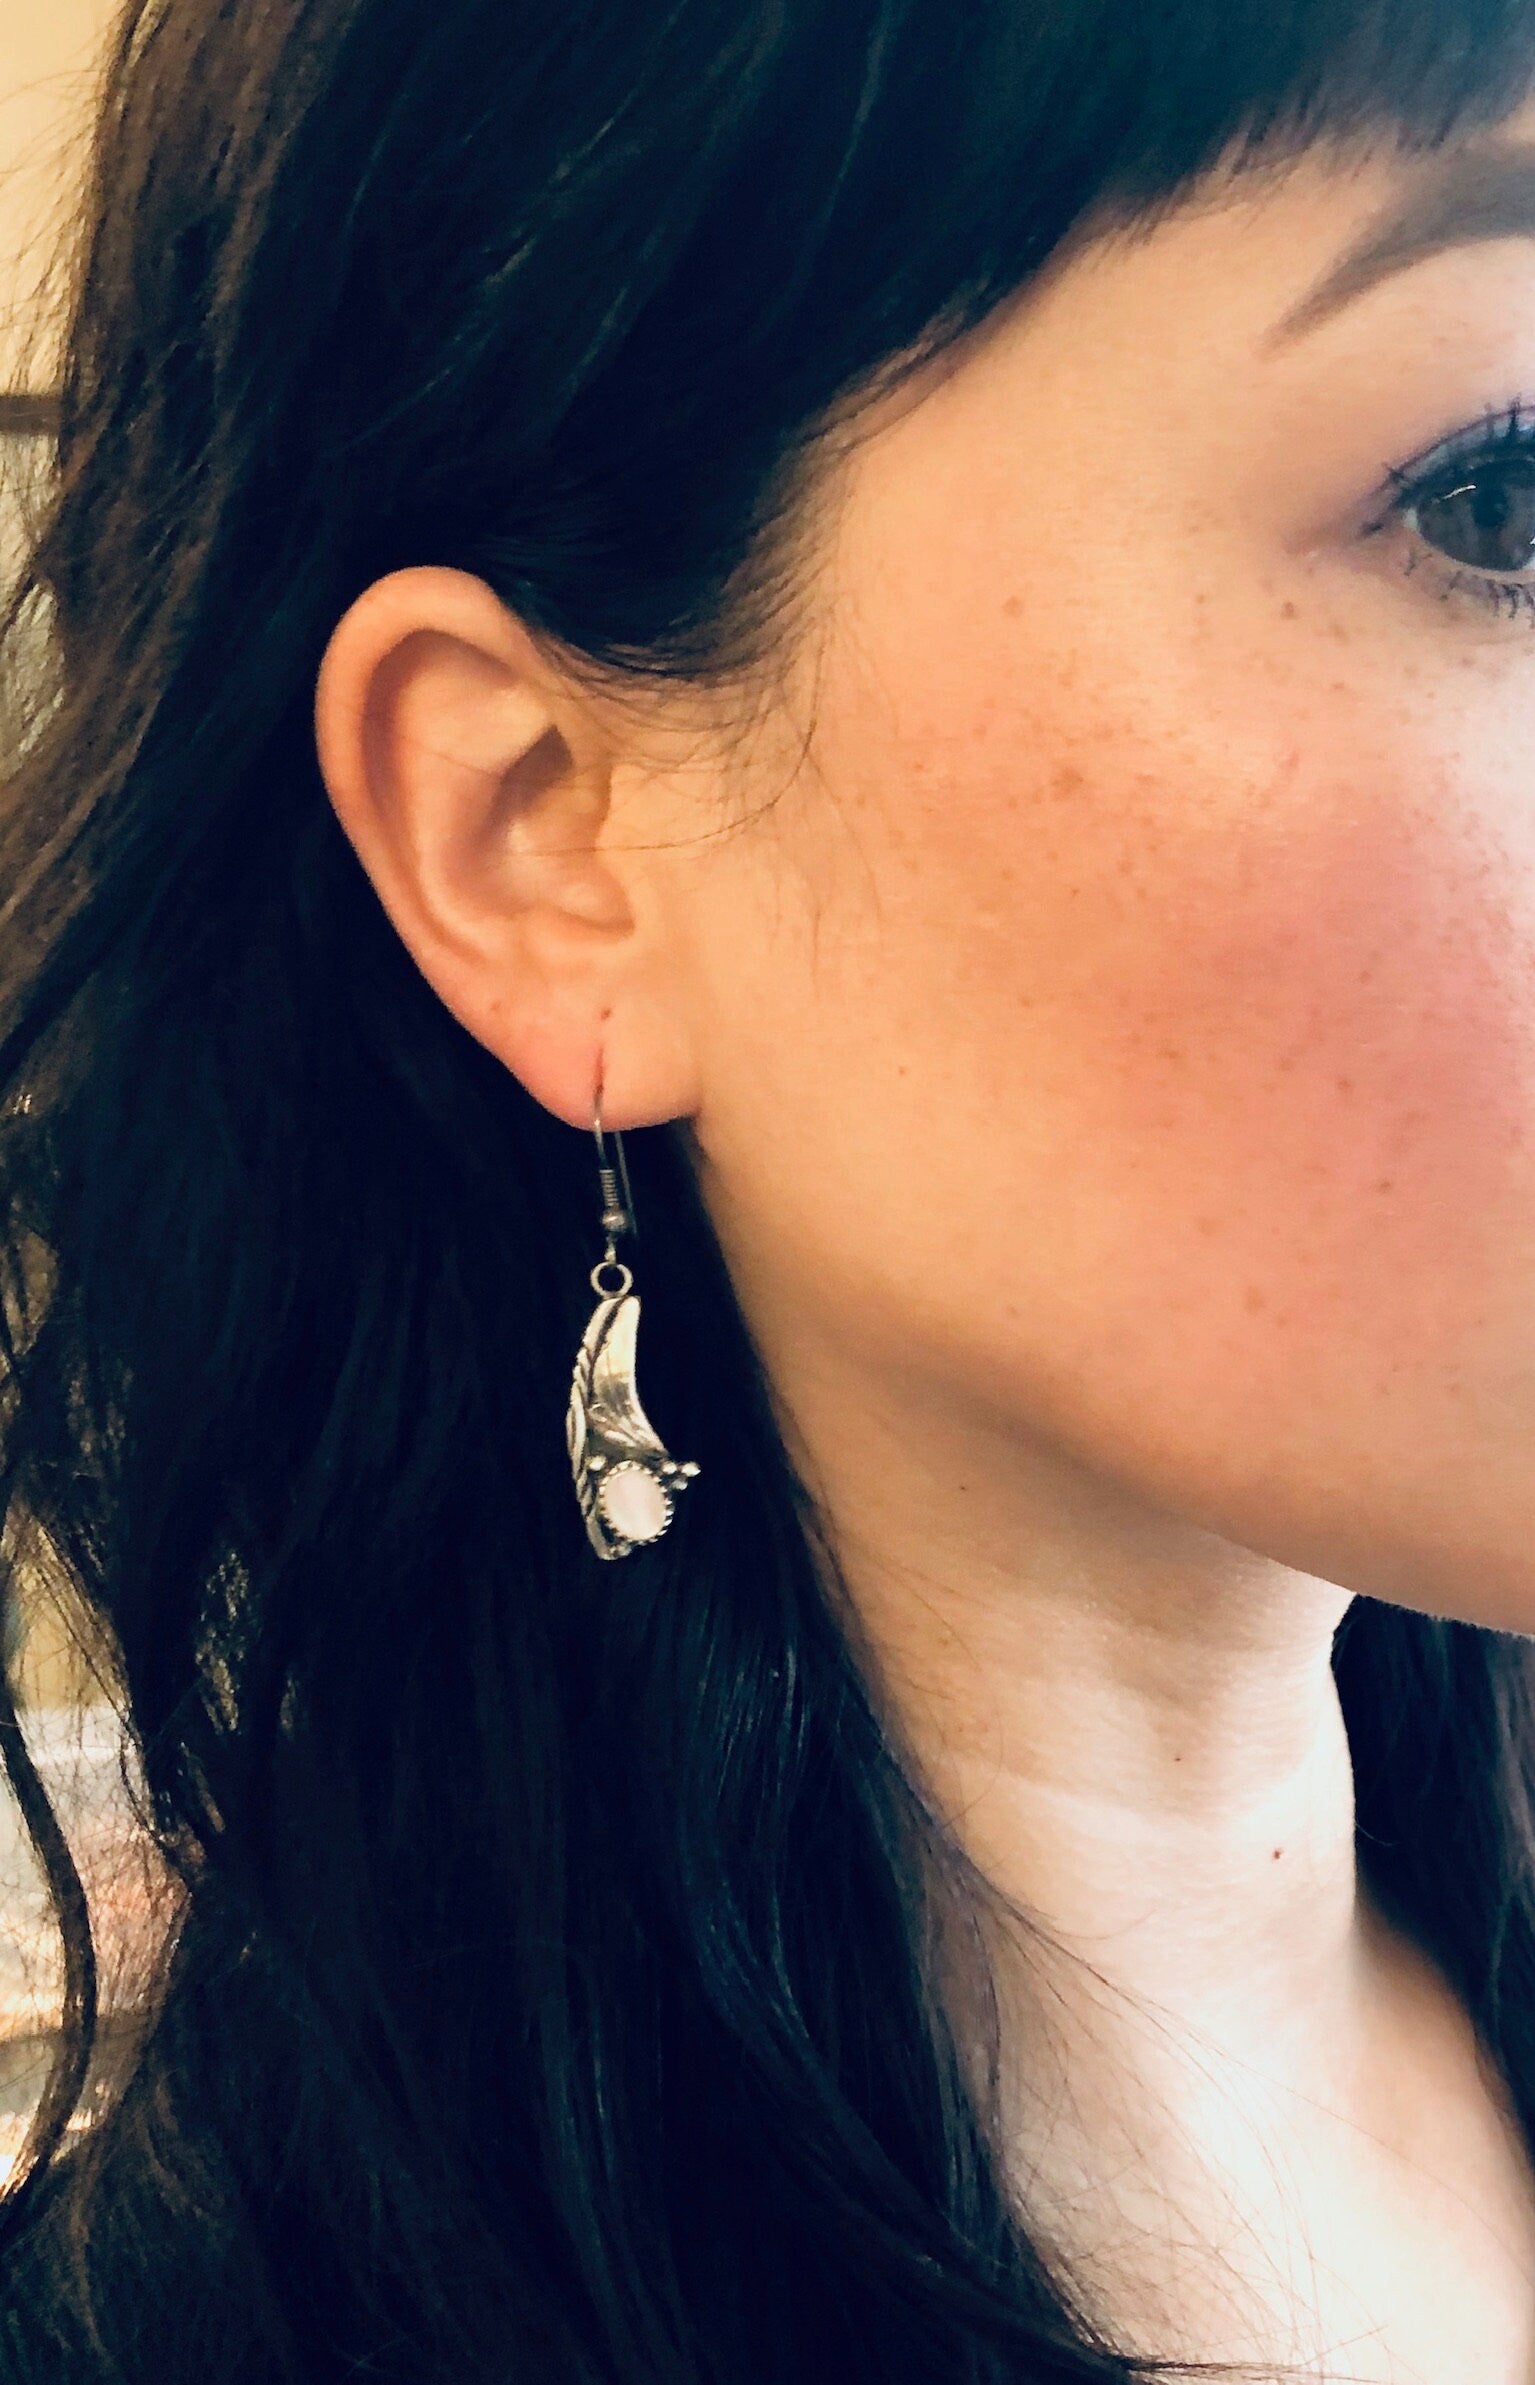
(1467, 508)
(1484, 518)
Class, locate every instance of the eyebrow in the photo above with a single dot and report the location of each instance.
(1476, 195)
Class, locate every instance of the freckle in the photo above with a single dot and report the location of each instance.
(1345, 1084)
(1012, 606)
(1204, 1225)
(1278, 1851)
(1287, 610)
(1254, 1301)
(1386, 1184)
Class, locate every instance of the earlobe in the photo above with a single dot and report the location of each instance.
(474, 784)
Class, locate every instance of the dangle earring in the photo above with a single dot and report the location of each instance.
(624, 1478)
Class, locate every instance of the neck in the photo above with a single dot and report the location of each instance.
(1131, 1724)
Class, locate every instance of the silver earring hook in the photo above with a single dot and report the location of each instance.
(617, 1205)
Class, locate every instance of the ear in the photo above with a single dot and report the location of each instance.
(475, 784)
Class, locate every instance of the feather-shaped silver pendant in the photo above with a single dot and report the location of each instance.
(624, 1478)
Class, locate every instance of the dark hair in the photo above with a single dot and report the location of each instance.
(563, 1977)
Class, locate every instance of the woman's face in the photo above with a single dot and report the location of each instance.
(1109, 1020)
(1118, 1028)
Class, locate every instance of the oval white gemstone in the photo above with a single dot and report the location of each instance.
(633, 1503)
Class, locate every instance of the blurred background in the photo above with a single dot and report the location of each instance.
(48, 54)
(48, 50)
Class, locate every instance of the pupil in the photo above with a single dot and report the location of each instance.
(1488, 521)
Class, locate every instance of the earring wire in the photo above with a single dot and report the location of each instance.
(617, 1207)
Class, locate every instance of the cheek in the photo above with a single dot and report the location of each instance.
(1237, 1075)
(1280, 1273)
(1168, 1091)
(1306, 1051)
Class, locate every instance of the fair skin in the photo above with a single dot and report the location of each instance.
(1100, 981)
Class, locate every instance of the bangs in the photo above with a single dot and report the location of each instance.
(1192, 82)
(929, 157)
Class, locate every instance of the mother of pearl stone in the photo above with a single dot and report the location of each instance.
(633, 1503)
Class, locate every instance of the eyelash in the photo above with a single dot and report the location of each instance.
(1502, 431)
